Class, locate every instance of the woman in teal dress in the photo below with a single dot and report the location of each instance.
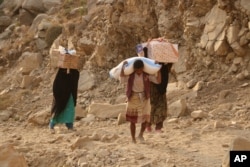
(65, 97)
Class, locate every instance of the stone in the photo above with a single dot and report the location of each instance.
(173, 120)
(26, 81)
(79, 142)
(40, 117)
(79, 112)
(89, 118)
(25, 17)
(191, 83)
(48, 4)
(215, 22)
(121, 99)
(238, 49)
(218, 124)
(37, 20)
(198, 114)
(245, 4)
(105, 110)
(198, 86)
(177, 108)
(238, 61)
(34, 7)
(9, 157)
(232, 34)
(86, 81)
(5, 115)
(243, 40)
(31, 61)
(221, 48)
(121, 118)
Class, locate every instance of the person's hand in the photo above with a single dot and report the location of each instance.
(125, 63)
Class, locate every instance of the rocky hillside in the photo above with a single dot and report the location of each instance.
(213, 37)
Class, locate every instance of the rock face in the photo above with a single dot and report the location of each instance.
(109, 30)
(213, 38)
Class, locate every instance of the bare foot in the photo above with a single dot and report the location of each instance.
(134, 141)
(141, 138)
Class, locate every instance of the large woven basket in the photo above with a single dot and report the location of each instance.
(69, 61)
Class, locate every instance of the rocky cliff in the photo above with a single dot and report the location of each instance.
(212, 74)
(213, 38)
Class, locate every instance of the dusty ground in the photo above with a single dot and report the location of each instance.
(184, 143)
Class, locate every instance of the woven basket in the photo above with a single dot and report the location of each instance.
(69, 61)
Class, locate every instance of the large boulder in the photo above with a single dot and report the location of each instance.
(104, 110)
(9, 157)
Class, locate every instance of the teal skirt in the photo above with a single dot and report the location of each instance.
(68, 114)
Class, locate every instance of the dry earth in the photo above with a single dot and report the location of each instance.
(184, 143)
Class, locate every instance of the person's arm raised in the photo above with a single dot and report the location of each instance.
(122, 70)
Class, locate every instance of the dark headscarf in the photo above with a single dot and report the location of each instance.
(65, 84)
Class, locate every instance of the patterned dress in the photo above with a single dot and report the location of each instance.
(158, 105)
(158, 98)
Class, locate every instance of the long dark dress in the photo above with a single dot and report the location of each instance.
(158, 106)
(65, 94)
(159, 99)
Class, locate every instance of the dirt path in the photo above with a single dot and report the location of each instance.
(186, 143)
